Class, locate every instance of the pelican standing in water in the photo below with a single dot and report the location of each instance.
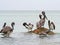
(42, 20)
(51, 26)
(6, 30)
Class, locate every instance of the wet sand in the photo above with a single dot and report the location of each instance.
(24, 38)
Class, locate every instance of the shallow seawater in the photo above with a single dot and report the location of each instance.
(24, 38)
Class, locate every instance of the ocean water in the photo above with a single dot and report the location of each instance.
(19, 35)
(24, 38)
(28, 16)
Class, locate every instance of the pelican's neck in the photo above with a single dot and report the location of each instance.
(4, 25)
(12, 27)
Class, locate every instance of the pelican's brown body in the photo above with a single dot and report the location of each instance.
(37, 31)
(6, 30)
(51, 26)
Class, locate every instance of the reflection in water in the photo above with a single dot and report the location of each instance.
(30, 39)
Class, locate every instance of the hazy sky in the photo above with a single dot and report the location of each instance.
(29, 4)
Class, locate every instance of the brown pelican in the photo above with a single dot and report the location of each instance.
(6, 30)
(42, 20)
(28, 26)
(51, 26)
